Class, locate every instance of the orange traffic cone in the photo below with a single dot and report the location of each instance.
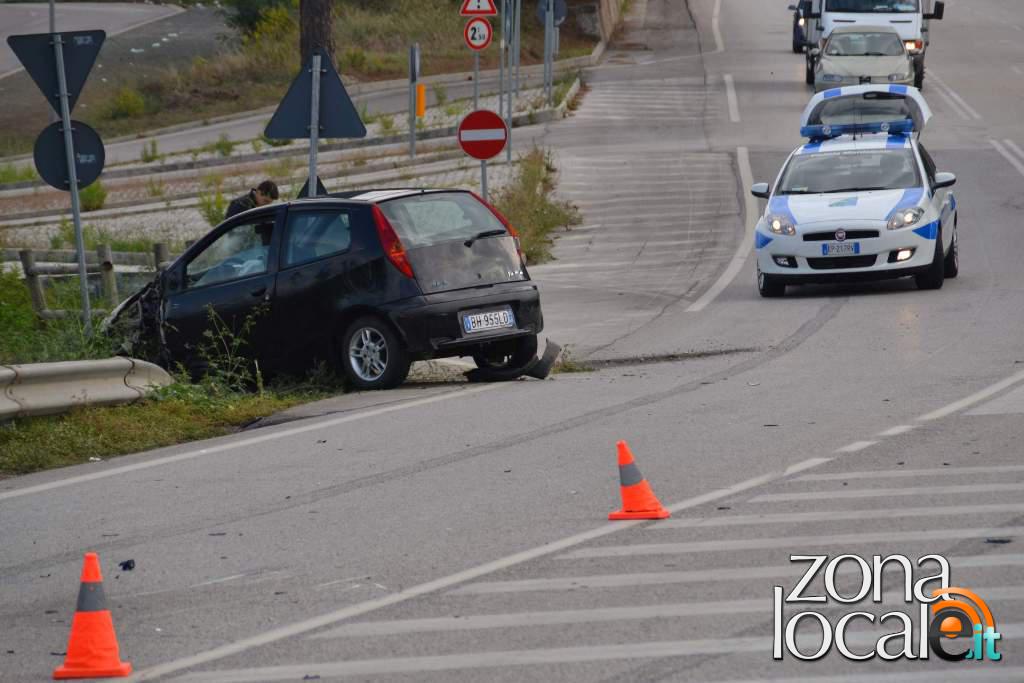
(638, 500)
(92, 646)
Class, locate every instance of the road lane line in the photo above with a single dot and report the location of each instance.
(934, 472)
(743, 251)
(881, 493)
(730, 94)
(897, 430)
(301, 627)
(788, 542)
(988, 392)
(957, 109)
(243, 443)
(856, 446)
(1016, 163)
(859, 638)
(837, 516)
(564, 583)
(952, 93)
(1014, 147)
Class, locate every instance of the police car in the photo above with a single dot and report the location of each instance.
(862, 200)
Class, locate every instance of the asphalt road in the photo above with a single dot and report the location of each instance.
(452, 533)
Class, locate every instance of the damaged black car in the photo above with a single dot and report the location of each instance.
(369, 281)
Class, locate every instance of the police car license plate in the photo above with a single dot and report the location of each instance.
(489, 320)
(840, 249)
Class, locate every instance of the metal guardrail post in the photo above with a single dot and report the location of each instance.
(32, 281)
(161, 255)
(107, 274)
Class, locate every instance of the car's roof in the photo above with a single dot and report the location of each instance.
(858, 143)
(862, 28)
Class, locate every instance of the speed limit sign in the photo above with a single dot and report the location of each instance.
(478, 33)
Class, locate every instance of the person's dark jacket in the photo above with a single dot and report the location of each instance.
(243, 203)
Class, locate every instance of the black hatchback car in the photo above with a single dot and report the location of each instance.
(369, 280)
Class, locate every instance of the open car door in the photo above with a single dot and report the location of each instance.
(896, 109)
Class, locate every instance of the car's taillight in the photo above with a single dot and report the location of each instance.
(392, 245)
(504, 221)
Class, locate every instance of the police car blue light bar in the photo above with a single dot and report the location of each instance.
(826, 131)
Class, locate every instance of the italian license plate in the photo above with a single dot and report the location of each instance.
(840, 249)
(488, 320)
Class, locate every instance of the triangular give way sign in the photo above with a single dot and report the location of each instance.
(478, 8)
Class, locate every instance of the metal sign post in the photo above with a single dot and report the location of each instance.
(507, 30)
(314, 122)
(414, 77)
(518, 39)
(501, 58)
(476, 81)
(69, 154)
(549, 29)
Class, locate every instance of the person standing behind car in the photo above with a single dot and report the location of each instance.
(261, 195)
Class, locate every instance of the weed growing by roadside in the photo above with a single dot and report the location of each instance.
(223, 147)
(93, 197)
(440, 94)
(365, 116)
(127, 103)
(274, 142)
(10, 173)
(257, 146)
(212, 203)
(282, 168)
(455, 109)
(155, 188)
(569, 363)
(94, 237)
(150, 152)
(387, 124)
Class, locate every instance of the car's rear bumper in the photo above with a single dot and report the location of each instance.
(431, 325)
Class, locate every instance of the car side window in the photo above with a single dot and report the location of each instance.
(240, 252)
(929, 164)
(313, 235)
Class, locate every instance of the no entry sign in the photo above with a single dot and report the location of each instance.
(482, 134)
(478, 33)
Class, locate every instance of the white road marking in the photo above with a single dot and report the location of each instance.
(216, 581)
(717, 28)
(242, 443)
(743, 251)
(1017, 70)
(953, 94)
(836, 516)
(1016, 163)
(897, 430)
(978, 397)
(787, 542)
(934, 472)
(957, 109)
(692, 576)
(883, 493)
(856, 446)
(1014, 147)
(331, 618)
(1010, 403)
(730, 95)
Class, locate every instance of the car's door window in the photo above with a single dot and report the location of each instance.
(240, 252)
(313, 235)
(929, 164)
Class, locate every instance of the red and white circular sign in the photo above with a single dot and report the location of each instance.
(483, 134)
(478, 33)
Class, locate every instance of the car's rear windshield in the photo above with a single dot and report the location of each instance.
(425, 219)
(869, 107)
(872, 5)
(867, 44)
(852, 171)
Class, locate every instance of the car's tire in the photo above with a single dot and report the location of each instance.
(809, 76)
(517, 354)
(797, 48)
(770, 286)
(936, 273)
(952, 264)
(372, 355)
(798, 38)
(919, 76)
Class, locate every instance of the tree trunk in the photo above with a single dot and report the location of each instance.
(316, 27)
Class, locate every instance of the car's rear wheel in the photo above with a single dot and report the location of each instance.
(952, 265)
(516, 353)
(770, 286)
(809, 76)
(373, 356)
(936, 273)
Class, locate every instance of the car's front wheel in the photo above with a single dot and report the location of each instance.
(769, 286)
(809, 77)
(373, 356)
(507, 355)
(936, 273)
(952, 265)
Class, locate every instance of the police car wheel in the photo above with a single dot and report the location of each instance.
(936, 273)
(769, 286)
(952, 265)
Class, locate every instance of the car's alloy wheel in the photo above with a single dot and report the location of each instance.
(373, 355)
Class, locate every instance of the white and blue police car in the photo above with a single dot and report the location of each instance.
(862, 200)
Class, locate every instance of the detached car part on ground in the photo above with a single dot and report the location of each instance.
(368, 281)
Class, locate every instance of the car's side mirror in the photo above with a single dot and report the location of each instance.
(943, 180)
(760, 190)
(938, 12)
(815, 51)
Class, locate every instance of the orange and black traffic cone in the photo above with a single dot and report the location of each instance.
(638, 500)
(92, 646)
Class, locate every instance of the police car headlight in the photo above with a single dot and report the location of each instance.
(832, 78)
(780, 225)
(904, 218)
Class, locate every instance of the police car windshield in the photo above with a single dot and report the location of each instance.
(852, 171)
(872, 5)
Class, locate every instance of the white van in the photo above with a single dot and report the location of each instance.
(909, 17)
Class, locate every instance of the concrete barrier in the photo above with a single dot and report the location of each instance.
(52, 388)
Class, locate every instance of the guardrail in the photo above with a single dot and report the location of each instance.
(52, 388)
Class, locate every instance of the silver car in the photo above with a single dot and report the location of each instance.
(856, 55)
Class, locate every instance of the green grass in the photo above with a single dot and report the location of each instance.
(93, 197)
(9, 173)
(94, 237)
(528, 205)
